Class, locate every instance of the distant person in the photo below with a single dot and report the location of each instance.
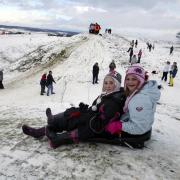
(165, 71)
(133, 60)
(132, 43)
(95, 73)
(153, 47)
(43, 83)
(171, 50)
(50, 81)
(150, 47)
(136, 43)
(173, 72)
(1, 79)
(112, 66)
(130, 51)
(109, 31)
(139, 56)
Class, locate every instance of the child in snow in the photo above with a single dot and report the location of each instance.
(173, 72)
(112, 66)
(165, 71)
(142, 96)
(43, 83)
(49, 84)
(82, 123)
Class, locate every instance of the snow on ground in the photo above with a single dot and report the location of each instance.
(26, 57)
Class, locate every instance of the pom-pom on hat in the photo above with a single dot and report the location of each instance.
(138, 72)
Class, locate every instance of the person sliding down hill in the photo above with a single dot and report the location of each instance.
(83, 122)
(142, 96)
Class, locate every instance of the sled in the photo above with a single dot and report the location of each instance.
(136, 142)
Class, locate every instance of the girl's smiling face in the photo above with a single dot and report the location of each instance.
(131, 83)
(109, 84)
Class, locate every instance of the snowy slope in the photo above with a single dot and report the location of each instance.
(26, 57)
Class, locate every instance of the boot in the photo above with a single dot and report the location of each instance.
(49, 115)
(56, 140)
(57, 121)
(36, 133)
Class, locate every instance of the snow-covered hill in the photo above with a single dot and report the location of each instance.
(26, 57)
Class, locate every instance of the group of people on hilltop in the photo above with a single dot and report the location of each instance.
(108, 31)
(150, 46)
(134, 43)
(133, 59)
(94, 28)
(122, 115)
(47, 81)
(172, 70)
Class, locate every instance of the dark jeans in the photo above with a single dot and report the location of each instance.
(164, 76)
(1, 85)
(43, 88)
(95, 78)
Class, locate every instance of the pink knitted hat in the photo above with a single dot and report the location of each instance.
(138, 72)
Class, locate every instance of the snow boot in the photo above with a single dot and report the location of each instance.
(36, 133)
(57, 121)
(56, 140)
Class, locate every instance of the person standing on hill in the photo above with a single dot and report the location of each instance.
(171, 50)
(49, 84)
(139, 55)
(165, 71)
(43, 83)
(173, 72)
(112, 66)
(136, 43)
(130, 51)
(95, 73)
(1, 79)
(133, 60)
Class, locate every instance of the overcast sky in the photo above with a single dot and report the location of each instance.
(76, 15)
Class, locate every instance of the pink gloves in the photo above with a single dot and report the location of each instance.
(114, 127)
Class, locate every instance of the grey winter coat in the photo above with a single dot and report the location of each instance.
(141, 109)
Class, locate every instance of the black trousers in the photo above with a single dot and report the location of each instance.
(1, 85)
(164, 76)
(95, 78)
(43, 88)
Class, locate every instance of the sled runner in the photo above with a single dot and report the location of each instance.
(135, 141)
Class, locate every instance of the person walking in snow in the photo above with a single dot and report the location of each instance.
(173, 72)
(1, 79)
(130, 51)
(43, 84)
(139, 109)
(95, 73)
(136, 43)
(165, 71)
(139, 56)
(171, 50)
(133, 60)
(112, 66)
(50, 81)
(83, 122)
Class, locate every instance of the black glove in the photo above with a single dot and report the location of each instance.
(83, 107)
